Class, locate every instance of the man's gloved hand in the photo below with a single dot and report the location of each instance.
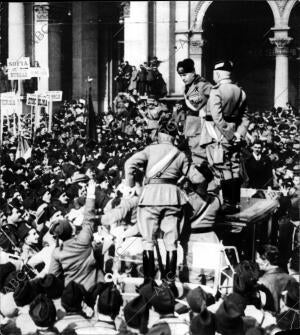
(128, 192)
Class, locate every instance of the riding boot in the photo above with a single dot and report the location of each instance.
(231, 195)
(171, 267)
(148, 267)
(145, 264)
(151, 266)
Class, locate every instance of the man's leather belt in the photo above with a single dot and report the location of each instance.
(201, 230)
(226, 118)
(161, 181)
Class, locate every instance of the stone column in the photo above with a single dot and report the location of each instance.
(16, 30)
(16, 36)
(181, 50)
(55, 57)
(85, 33)
(281, 92)
(136, 33)
(196, 50)
(163, 38)
(41, 49)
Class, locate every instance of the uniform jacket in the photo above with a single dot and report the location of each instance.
(161, 194)
(169, 326)
(75, 258)
(221, 104)
(202, 212)
(197, 94)
(120, 212)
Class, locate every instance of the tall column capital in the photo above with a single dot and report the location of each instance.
(41, 10)
(281, 45)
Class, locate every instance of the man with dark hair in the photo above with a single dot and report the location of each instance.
(196, 94)
(259, 168)
(274, 278)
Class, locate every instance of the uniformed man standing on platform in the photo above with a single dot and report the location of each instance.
(161, 201)
(196, 94)
(226, 124)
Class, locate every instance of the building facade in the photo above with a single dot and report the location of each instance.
(77, 40)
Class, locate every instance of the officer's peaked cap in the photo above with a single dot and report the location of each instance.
(225, 65)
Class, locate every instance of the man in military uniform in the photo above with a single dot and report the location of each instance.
(196, 95)
(226, 124)
(161, 201)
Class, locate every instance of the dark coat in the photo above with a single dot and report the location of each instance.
(259, 172)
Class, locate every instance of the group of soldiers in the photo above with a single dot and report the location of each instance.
(215, 123)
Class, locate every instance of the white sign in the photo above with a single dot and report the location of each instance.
(39, 72)
(54, 95)
(37, 100)
(18, 74)
(10, 103)
(22, 63)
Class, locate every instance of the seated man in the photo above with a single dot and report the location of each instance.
(74, 258)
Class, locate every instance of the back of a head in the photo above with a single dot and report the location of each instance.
(42, 311)
(61, 229)
(271, 253)
(72, 297)
(245, 277)
(110, 301)
(163, 300)
(224, 65)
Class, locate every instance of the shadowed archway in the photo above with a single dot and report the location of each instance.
(240, 31)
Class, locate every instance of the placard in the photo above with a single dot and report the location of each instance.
(10, 103)
(54, 95)
(18, 74)
(21, 63)
(37, 100)
(39, 72)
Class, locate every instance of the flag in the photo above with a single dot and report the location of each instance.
(91, 131)
(23, 149)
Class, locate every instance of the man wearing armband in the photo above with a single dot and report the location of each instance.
(196, 95)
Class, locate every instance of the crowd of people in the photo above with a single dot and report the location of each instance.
(147, 80)
(67, 208)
